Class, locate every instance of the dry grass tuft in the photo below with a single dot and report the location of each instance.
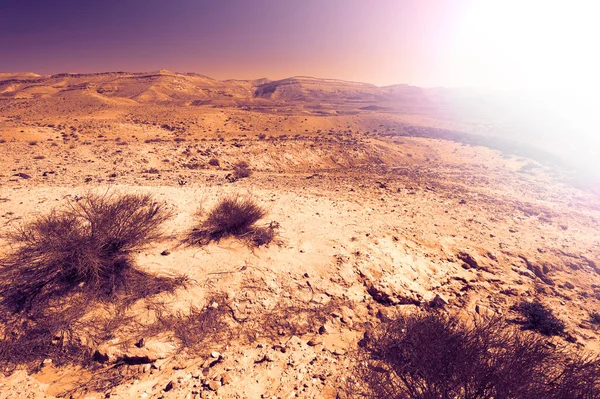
(199, 328)
(234, 216)
(241, 170)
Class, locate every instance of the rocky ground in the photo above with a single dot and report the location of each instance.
(372, 224)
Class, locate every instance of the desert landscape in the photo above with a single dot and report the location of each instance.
(370, 204)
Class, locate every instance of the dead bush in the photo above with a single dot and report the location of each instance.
(263, 235)
(66, 262)
(198, 328)
(287, 320)
(234, 216)
(539, 318)
(595, 318)
(213, 162)
(438, 357)
(87, 246)
(241, 170)
(29, 340)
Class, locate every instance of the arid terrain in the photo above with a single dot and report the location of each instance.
(386, 203)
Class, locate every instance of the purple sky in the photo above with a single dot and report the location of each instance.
(421, 42)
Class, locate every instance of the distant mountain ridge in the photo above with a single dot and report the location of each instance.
(196, 89)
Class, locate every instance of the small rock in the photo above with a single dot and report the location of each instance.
(215, 354)
(214, 385)
(166, 252)
(438, 302)
(226, 378)
(338, 352)
(469, 260)
(265, 358)
(314, 341)
(100, 356)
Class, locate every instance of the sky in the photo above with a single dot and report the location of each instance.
(451, 43)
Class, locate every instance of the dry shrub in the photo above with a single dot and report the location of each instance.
(28, 341)
(263, 235)
(87, 246)
(438, 357)
(66, 262)
(539, 318)
(241, 170)
(595, 318)
(234, 216)
(213, 162)
(198, 328)
(289, 320)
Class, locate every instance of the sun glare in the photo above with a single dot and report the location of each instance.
(543, 49)
(528, 44)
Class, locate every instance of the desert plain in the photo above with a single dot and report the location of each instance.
(385, 203)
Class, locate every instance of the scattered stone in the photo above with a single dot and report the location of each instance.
(267, 357)
(510, 291)
(22, 175)
(214, 385)
(469, 261)
(166, 252)
(484, 311)
(438, 302)
(539, 272)
(152, 350)
(100, 357)
(385, 295)
(226, 378)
